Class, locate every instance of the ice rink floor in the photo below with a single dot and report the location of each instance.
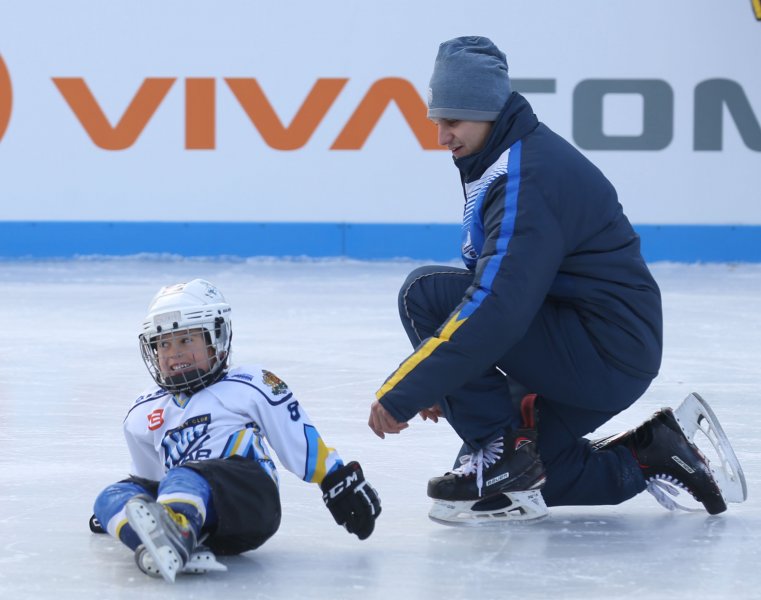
(70, 367)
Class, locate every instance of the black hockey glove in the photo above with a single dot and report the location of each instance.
(351, 500)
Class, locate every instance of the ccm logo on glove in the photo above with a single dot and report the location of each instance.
(341, 486)
(351, 500)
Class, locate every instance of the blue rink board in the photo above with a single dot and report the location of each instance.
(364, 241)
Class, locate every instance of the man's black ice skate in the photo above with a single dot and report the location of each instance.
(665, 449)
(166, 537)
(499, 482)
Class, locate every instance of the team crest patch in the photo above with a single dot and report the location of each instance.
(277, 385)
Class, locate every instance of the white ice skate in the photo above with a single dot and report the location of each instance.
(169, 543)
(509, 507)
(695, 417)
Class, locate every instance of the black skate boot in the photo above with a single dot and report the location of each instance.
(665, 454)
(167, 537)
(501, 481)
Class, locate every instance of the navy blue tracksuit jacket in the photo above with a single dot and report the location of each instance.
(557, 295)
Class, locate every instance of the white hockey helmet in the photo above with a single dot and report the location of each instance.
(180, 308)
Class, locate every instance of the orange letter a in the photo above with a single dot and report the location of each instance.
(381, 93)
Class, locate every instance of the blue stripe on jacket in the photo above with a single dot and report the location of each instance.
(505, 231)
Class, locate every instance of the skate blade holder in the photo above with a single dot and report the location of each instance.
(700, 425)
(203, 561)
(508, 508)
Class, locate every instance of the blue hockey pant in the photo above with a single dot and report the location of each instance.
(182, 490)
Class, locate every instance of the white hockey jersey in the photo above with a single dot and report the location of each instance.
(238, 415)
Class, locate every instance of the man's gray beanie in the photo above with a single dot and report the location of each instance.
(469, 80)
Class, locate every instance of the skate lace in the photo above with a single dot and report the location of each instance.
(664, 486)
(475, 463)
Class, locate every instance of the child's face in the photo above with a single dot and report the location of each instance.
(183, 351)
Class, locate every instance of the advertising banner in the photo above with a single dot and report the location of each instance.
(302, 112)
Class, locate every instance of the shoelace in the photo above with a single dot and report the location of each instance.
(661, 486)
(475, 463)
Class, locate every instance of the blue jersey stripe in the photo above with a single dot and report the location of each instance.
(506, 230)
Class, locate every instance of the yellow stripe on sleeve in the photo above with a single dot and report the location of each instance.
(323, 452)
(420, 355)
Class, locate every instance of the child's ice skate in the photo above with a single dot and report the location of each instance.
(667, 450)
(166, 537)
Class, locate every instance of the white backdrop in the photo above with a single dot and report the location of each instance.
(51, 169)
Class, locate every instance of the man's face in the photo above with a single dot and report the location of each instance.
(183, 351)
(463, 137)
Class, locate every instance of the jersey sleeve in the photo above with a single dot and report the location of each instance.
(289, 430)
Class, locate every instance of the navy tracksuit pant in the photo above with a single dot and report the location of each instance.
(578, 391)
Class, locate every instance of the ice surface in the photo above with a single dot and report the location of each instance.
(69, 367)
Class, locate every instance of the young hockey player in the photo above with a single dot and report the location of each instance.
(203, 481)
(556, 300)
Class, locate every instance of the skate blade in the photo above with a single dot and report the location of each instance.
(521, 507)
(698, 422)
(144, 524)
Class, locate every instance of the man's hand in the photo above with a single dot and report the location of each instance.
(434, 413)
(351, 500)
(381, 421)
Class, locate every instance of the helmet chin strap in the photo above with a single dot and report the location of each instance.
(193, 380)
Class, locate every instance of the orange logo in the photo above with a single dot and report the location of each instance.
(156, 419)
(6, 98)
(200, 112)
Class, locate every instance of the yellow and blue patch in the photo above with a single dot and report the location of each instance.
(249, 443)
(318, 455)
